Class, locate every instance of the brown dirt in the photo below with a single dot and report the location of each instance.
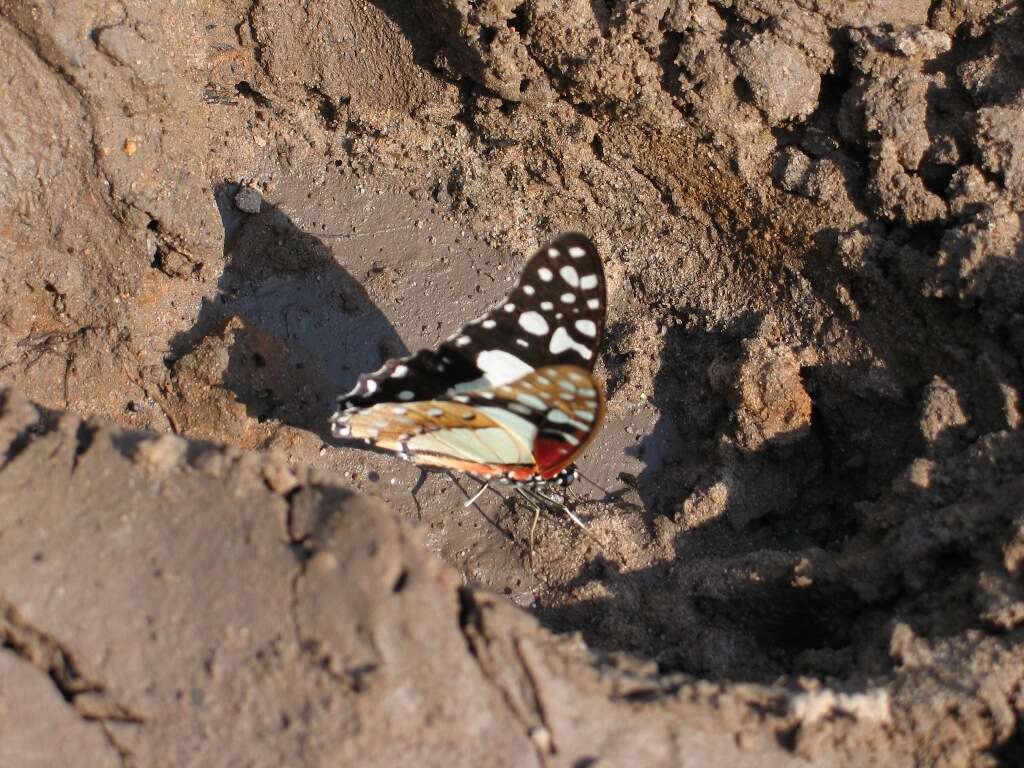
(214, 216)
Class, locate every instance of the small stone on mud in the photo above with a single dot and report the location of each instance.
(277, 474)
(541, 737)
(161, 454)
(248, 199)
(323, 563)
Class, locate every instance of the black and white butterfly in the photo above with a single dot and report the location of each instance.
(512, 396)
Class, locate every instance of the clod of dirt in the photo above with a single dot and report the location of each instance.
(766, 453)
(159, 455)
(941, 413)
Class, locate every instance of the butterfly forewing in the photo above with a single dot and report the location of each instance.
(555, 314)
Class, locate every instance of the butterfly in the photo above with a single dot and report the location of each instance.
(510, 398)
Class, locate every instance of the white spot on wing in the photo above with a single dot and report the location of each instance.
(533, 322)
(399, 372)
(568, 298)
(462, 341)
(588, 282)
(523, 343)
(529, 290)
(530, 401)
(586, 416)
(570, 275)
(576, 252)
(593, 303)
(510, 307)
(406, 394)
(500, 367)
(547, 306)
(545, 274)
(553, 253)
(488, 324)
(557, 417)
(562, 341)
(371, 386)
(586, 327)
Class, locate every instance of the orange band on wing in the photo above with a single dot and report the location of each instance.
(521, 472)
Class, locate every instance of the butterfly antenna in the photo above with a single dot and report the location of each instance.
(611, 497)
(584, 477)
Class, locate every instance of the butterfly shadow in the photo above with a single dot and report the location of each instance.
(289, 328)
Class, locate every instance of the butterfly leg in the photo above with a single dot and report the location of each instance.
(416, 489)
(533, 528)
(558, 505)
(477, 495)
(554, 504)
(531, 504)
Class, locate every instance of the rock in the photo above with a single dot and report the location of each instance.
(1000, 137)
(941, 413)
(783, 87)
(770, 403)
(248, 199)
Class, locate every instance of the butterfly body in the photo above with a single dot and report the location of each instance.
(511, 397)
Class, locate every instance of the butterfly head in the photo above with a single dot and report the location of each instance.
(566, 477)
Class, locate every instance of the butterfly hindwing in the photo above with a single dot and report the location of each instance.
(535, 425)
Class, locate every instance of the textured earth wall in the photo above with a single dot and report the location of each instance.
(807, 533)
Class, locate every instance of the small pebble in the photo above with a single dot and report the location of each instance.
(248, 199)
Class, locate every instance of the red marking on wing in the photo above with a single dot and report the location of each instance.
(552, 456)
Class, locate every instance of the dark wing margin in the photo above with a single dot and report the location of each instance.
(555, 315)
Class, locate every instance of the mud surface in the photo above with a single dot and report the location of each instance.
(807, 537)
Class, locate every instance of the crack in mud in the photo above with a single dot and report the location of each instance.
(87, 697)
(470, 622)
